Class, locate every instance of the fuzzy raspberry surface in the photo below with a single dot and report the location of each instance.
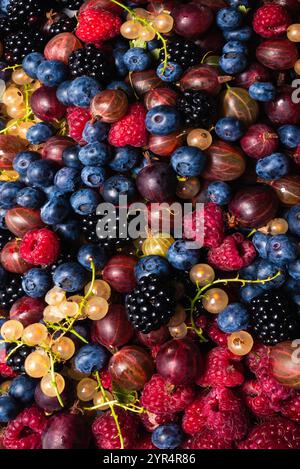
(213, 228)
(25, 431)
(271, 21)
(131, 129)
(221, 368)
(234, 253)
(40, 247)
(97, 25)
(106, 434)
(77, 118)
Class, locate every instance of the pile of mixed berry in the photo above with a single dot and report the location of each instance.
(158, 341)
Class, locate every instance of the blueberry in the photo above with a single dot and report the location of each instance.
(154, 44)
(263, 92)
(96, 132)
(121, 68)
(268, 270)
(62, 93)
(67, 179)
(248, 292)
(30, 197)
(250, 272)
(125, 158)
(260, 243)
(181, 256)
(2, 218)
(39, 133)
(93, 176)
(289, 135)
(70, 157)
(82, 90)
(23, 159)
(229, 129)
(53, 192)
(52, 72)
(94, 154)
(137, 59)
(36, 282)
(55, 210)
(117, 186)
(162, 120)
(219, 192)
(188, 161)
(273, 167)
(90, 358)
(233, 318)
(8, 408)
(8, 194)
(69, 230)
(294, 269)
(170, 72)
(168, 436)
(120, 85)
(293, 219)
(292, 285)
(22, 389)
(237, 3)
(143, 163)
(149, 265)
(236, 47)
(233, 63)
(70, 276)
(243, 34)
(94, 252)
(41, 173)
(31, 63)
(84, 201)
(282, 249)
(228, 18)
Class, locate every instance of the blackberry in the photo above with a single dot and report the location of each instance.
(6, 27)
(21, 43)
(151, 304)
(273, 318)
(62, 24)
(11, 291)
(17, 359)
(90, 61)
(182, 52)
(70, 4)
(198, 108)
(5, 237)
(27, 11)
(66, 255)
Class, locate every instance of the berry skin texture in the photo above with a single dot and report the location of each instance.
(131, 129)
(97, 25)
(40, 247)
(31, 422)
(207, 439)
(291, 408)
(271, 21)
(213, 225)
(257, 401)
(220, 410)
(77, 118)
(105, 431)
(234, 253)
(221, 368)
(277, 433)
(161, 397)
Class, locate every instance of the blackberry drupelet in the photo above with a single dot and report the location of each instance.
(11, 291)
(63, 24)
(273, 318)
(5, 237)
(183, 52)
(17, 359)
(6, 27)
(21, 43)
(27, 11)
(90, 61)
(198, 108)
(151, 304)
(70, 4)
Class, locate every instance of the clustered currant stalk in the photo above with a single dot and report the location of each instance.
(200, 294)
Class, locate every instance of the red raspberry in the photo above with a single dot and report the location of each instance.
(145, 443)
(40, 247)
(106, 380)
(77, 117)
(221, 369)
(234, 253)
(257, 401)
(131, 129)
(216, 335)
(276, 433)
(214, 228)
(25, 431)
(291, 408)
(207, 440)
(6, 371)
(271, 21)
(106, 434)
(258, 360)
(274, 390)
(221, 410)
(151, 421)
(161, 397)
(97, 25)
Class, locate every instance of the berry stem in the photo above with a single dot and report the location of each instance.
(53, 379)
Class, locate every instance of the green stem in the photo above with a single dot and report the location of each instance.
(53, 380)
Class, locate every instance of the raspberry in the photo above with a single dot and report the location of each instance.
(257, 401)
(77, 117)
(206, 440)
(151, 421)
(214, 228)
(25, 431)
(221, 410)
(131, 129)
(40, 247)
(145, 443)
(234, 253)
(97, 25)
(274, 390)
(258, 360)
(291, 408)
(106, 434)
(6, 371)
(161, 397)
(276, 433)
(216, 335)
(106, 380)
(271, 21)
(221, 369)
